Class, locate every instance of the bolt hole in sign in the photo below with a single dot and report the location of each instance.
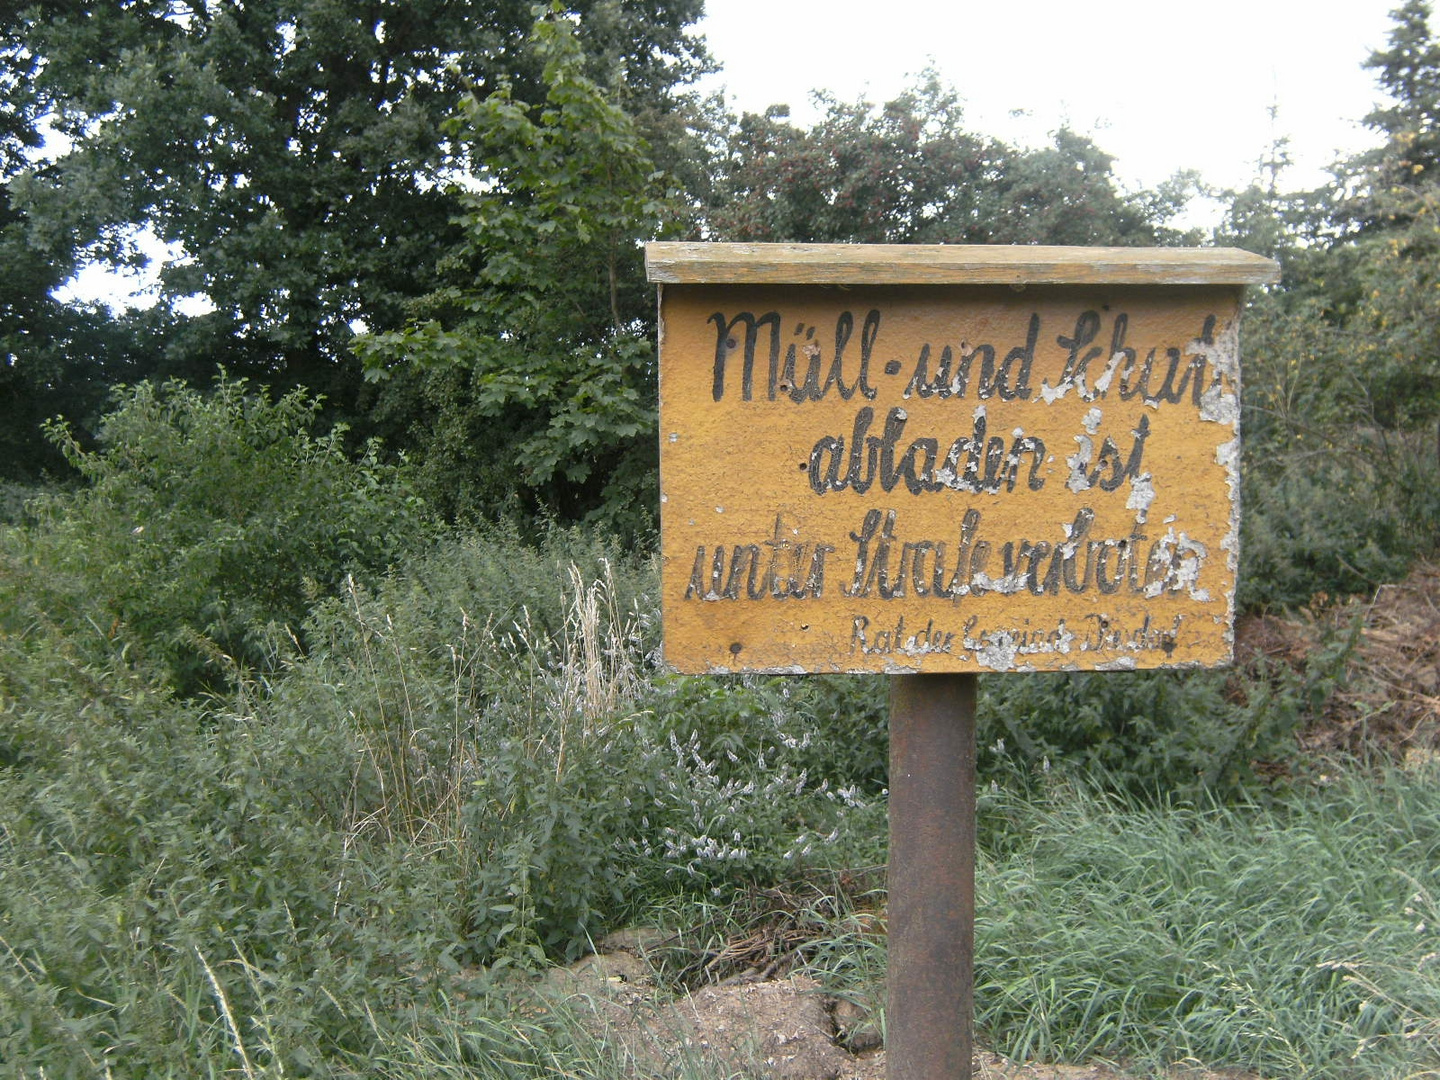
(948, 458)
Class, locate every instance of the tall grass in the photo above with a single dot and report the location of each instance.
(466, 767)
(472, 766)
(1299, 939)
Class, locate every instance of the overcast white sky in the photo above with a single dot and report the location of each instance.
(1160, 85)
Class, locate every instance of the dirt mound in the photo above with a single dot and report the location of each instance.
(786, 1028)
(1393, 693)
(1386, 701)
(777, 1028)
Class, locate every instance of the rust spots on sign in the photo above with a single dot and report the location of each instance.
(948, 477)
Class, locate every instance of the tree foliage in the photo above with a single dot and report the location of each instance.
(1343, 380)
(1408, 71)
(908, 171)
(53, 357)
(544, 318)
(292, 149)
(468, 189)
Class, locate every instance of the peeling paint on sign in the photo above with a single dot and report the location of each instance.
(948, 478)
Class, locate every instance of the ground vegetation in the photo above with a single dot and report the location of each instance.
(329, 755)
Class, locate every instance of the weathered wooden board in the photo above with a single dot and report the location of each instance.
(949, 477)
(949, 264)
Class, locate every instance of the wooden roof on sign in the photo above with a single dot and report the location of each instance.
(950, 264)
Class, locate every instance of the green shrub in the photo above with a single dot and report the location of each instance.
(202, 518)
(153, 859)
(13, 498)
(1334, 525)
(834, 727)
(1341, 480)
(1176, 735)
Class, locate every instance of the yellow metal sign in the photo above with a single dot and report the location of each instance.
(903, 478)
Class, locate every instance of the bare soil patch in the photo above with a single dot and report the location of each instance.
(785, 1028)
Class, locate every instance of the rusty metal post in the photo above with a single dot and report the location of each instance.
(931, 877)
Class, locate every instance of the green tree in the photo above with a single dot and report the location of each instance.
(292, 149)
(537, 359)
(48, 353)
(1342, 476)
(905, 172)
(55, 359)
(1067, 193)
(908, 171)
(1409, 72)
(1384, 267)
